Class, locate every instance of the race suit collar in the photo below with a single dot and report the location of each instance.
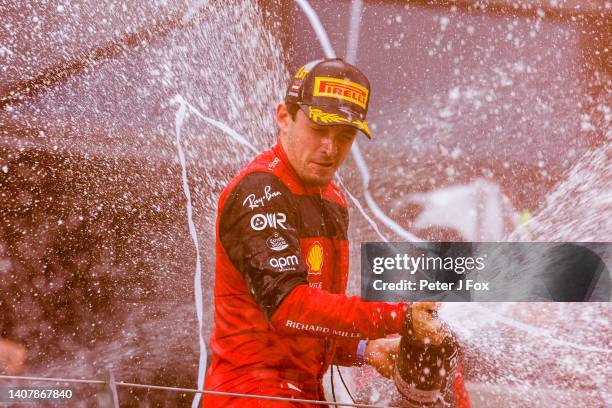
(279, 151)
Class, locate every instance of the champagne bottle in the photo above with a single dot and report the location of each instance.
(424, 371)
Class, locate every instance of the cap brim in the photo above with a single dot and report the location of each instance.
(329, 116)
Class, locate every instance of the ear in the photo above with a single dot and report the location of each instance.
(283, 117)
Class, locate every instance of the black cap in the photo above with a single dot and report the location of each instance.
(331, 92)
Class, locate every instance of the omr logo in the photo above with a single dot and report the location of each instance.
(284, 263)
(259, 222)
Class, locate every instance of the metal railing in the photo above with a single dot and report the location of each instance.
(112, 386)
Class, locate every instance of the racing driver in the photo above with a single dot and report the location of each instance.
(281, 315)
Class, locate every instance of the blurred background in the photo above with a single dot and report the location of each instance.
(491, 121)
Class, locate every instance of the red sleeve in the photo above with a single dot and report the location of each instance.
(461, 396)
(346, 352)
(315, 312)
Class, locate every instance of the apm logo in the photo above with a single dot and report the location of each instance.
(260, 222)
(284, 263)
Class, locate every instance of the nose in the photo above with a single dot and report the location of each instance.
(330, 145)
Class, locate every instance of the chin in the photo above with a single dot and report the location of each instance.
(316, 180)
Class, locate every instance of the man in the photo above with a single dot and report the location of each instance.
(281, 316)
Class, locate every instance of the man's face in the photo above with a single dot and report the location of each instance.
(314, 151)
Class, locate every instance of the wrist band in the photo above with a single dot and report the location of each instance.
(361, 352)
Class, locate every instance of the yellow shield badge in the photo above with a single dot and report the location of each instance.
(314, 259)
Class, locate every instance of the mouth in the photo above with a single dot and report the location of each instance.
(324, 165)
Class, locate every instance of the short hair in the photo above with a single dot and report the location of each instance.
(293, 109)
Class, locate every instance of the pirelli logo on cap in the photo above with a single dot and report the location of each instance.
(341, 89)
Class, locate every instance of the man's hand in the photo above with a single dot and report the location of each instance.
(12, 357)
(425, 323)
(381, 354)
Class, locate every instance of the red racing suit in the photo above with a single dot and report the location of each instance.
(281, 316)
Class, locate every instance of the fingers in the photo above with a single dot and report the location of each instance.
(381, 354)
(427, 326)
(432, 306)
